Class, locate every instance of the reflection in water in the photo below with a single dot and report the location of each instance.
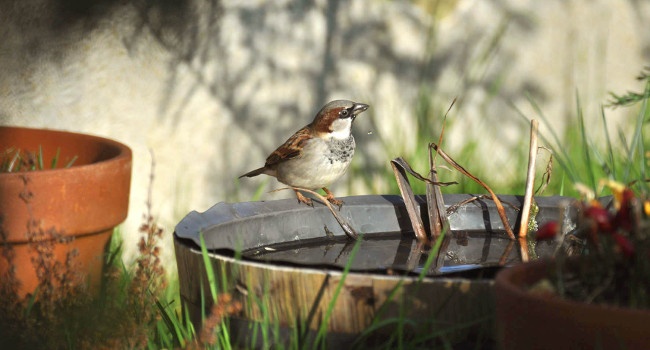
(400, 252)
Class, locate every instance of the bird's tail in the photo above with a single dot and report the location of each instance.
(254, 172)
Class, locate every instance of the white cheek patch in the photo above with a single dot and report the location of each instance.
(341, 128)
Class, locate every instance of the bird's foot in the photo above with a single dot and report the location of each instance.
(330, 198)
(303, 199)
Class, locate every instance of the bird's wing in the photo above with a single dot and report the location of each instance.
(292, 148)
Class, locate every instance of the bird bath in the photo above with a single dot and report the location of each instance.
(292, 258)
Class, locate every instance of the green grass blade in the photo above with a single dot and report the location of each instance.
(212, 280)
(203, 303)
(639, 134)
(15, 160)
(610, 150)
(560, 153)
(39, 157)
(31, 302)
(173, 328)
(330, 308)
(71, 162)
(440, 334)
(225, 334)
(635, 143)
(377, 321)
(259, 191)
(55, 160)
(585, 146)
(190, 331)
(433, 255)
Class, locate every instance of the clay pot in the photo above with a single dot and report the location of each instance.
(532, 321)
(82, 203)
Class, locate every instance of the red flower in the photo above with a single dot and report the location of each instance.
(600, 217)
(548, 231)
(624, 245)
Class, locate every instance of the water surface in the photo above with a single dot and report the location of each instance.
(395, 252)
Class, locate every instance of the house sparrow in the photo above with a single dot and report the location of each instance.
(318, 154)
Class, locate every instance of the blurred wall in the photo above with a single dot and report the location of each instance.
(212, 87)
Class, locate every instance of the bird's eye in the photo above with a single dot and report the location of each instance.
(344, 113)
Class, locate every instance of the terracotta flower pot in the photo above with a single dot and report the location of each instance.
(531, 321)
(85, 201)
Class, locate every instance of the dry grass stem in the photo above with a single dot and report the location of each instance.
(506, 253)
(399, 166)
(149, 275)
(548, 172)
(528, 193)
(497, 201)
(438, 221)
(62, 312)
(399, 161)
(345, 225)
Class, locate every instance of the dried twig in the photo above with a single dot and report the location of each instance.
(528, 194)
(345, 225)
(399, 161)
(454, 207)
(399, 166)
(497, 201)
(506, 253)
(438, 221)
(546, 176)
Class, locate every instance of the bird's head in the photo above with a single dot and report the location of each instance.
(335, 119)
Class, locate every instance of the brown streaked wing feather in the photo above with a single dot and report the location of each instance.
(292, 148)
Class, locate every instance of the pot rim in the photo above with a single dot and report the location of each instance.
(513, 280)
(124, 153)
(90, 197)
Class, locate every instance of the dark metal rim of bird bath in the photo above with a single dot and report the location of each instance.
(229, 227)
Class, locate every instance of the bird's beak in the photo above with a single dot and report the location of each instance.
(358, 108)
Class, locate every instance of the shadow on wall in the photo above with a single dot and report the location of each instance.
(48, 29)
(213, 86)
(269, 63)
